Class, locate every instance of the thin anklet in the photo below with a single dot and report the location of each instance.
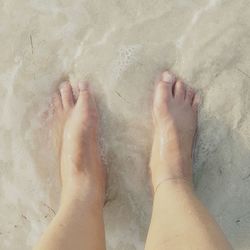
(169, 179)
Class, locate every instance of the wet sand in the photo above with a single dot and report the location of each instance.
(121, 47)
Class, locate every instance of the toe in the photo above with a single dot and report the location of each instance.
(86, 102)
(164, 88)
(67, 95)
(57, 102)
(163, 92)
(189, 95)
(180, 90)
(196, 102)
(168, 77)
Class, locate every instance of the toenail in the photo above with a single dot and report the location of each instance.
(168, 77)
(198, 99)
(63, 85)
(190, 90)
(83, 86)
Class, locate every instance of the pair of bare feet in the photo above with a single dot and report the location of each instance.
(75, 126)
(79, 222)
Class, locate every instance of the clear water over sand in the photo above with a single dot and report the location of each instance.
(121, 46)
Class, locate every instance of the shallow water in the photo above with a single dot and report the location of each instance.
(121, 46)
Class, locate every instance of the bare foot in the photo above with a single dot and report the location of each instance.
(175, 122)
(75, 124)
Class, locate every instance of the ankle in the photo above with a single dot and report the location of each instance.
(81, 209)
(174, 172)
(174, 183)
(83, 195)
(77, 203)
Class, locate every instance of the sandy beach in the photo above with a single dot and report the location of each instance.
(121, 47)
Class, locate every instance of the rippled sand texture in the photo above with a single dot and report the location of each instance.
(120, 46)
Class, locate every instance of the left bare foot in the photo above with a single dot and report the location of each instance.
(75, 125)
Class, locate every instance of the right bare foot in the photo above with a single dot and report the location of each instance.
(175, 123)
(75, 133)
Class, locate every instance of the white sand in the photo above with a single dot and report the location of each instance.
(121, 46)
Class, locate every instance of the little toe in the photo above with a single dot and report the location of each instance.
(180, 90)
(189, 95)
(57, 102)
(67, 95)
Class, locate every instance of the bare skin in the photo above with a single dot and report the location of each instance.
(179, 220)
(79, 221)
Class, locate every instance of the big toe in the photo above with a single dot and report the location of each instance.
(163, 94)
(164, 90)
(86, 106)
(67, 96)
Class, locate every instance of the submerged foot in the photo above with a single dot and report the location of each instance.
(175, 122)
(75, 132)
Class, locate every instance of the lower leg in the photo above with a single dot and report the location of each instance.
(75, 226)
(179, 220)
(78, 223)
